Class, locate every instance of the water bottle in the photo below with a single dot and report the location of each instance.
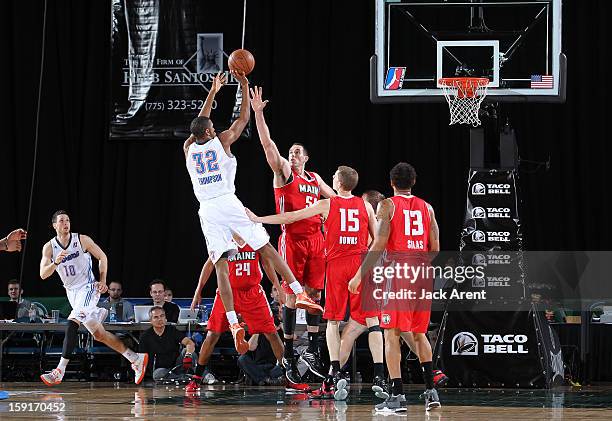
(32, 313)
(113, 314)
(119, 311)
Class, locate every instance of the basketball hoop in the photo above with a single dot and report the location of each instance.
(464, 96)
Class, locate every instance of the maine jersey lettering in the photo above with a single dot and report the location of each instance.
(409, 224)
(346, 227)
(244, 269)
(211, 170)
(301, 191)
(75, 269)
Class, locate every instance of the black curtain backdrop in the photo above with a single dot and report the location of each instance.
(135, 198)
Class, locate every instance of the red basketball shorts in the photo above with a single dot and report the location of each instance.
(306, 259)
(251, 304)
(339, 272)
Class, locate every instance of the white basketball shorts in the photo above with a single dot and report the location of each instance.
(224, 215)
(84, 302)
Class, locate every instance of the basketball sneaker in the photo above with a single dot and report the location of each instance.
(313, 362)
(241, 345)
(440, 379)
(291, 371)
(432, 400)
(140, 367)
(380, 387)
(325, 391)
(194, 385)
(297, 387)
(392, 404)
(302, 300)
(53, 377)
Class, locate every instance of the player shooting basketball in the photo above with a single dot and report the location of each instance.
(212, 169)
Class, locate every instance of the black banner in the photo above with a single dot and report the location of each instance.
(164, 55)
(494, 349)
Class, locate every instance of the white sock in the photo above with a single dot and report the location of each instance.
(130, 355)
(231, 317)
(63, 364)
(296, 287)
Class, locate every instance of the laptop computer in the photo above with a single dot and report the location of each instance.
(141, 314)
(187, 315)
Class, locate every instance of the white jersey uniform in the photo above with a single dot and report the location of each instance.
(75, 269)
(212, 172)
(76, 274)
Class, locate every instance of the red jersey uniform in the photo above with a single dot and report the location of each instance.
(249, 297)
(244, 269)
(409, 224)
(346, 227)
(299, 192)
(409, 232)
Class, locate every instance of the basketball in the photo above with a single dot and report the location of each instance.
(241, 60)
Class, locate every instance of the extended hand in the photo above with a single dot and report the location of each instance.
(16, 235)
(257, 103)
(251, 215)
(218, 82)
(240, 77)
(353, 285)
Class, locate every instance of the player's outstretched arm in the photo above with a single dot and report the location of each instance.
(381, 238)
(92, 248)
(204, 275)
(321, 207)
(434, 232)
(326, 191)
(232, 134)
(218, 81)
(279, 165)
(12, 242)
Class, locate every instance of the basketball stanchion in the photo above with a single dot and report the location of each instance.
(464, 96)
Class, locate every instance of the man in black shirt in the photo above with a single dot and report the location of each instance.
(157, 290)
(163, 344)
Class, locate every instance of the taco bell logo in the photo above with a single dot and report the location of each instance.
(479, 189)
(479, 213)
(478, 237)
(464, 343)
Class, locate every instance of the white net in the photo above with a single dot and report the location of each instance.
(464, 96)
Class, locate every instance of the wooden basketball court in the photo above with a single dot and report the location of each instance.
(74, 400)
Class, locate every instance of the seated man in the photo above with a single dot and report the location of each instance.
(163, 344)
(15, 294)
(124, 310)
(157, 290)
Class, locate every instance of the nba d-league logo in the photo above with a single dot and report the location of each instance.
(395, 78)
(464, 343)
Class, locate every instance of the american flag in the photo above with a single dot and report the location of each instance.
(541, 82)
